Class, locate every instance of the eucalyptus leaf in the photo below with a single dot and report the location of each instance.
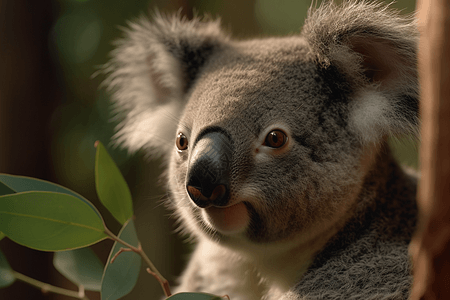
(81, 266)
(112, 189)
(49, 221)
(194, 296)
(5, 190)
(6, 274)
(121, 276)
(17, 184)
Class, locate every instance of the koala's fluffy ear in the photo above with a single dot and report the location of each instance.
(150, 72)
(375, 49)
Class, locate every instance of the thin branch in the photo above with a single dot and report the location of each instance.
(120, 251)
(154, 271)
(45, 287)
(116, 239)
(164, 283)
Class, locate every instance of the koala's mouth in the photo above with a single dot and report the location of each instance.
(228, 220)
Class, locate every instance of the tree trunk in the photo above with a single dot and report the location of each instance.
(431, 244)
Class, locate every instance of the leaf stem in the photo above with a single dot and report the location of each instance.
(45, 287)
(164, 283)
(154, 271)
(120, 251)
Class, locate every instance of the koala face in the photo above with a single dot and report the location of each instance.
(267, 140)
(266, 150)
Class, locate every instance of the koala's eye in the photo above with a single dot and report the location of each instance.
(275, 139)
(182, 142)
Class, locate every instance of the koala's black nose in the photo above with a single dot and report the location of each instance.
(208, 178)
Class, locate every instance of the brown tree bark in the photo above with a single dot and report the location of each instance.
(431, 244)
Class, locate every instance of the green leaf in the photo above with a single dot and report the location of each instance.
(5, 190)
(6, 274)
(121, 276)
(81, 266)
(49, 221)
(18, 184)
(112, 189)
(194, 296)
(2, 235)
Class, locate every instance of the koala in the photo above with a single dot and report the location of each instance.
(275, 149)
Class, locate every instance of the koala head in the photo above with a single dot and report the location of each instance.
(266, 139)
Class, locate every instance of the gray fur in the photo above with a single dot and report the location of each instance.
(330, 213)
(150, 70)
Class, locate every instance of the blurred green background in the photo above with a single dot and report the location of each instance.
(52, 112)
